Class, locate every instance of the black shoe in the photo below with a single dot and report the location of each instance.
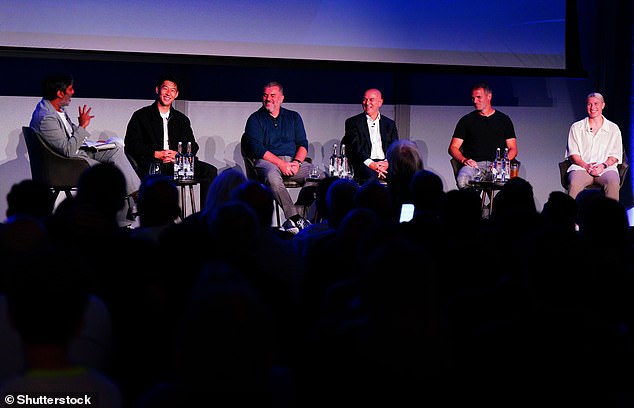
(132, 199)
(132, 214)
(290, 227)
(134, 196)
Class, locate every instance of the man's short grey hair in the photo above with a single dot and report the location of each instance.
(596, 95)
(277, 84)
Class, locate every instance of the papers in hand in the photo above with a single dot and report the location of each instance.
(110, 143)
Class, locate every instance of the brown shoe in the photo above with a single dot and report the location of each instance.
(135, 196)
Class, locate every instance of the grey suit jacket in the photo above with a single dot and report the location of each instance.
(47, 123)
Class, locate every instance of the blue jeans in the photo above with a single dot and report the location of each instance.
(468, 173)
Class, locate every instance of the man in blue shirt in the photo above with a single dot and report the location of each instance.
(275, 140)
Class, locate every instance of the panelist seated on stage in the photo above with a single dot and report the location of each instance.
(595, 148)
(274, 139)
(367, 137)
(153, 134)
(478, 134)
(51, 121)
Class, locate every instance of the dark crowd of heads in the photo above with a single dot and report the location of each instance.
(448, 308)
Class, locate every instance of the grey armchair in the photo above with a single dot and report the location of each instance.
(59, 172)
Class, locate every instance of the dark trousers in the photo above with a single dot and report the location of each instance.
(363, 173)
(205, 173)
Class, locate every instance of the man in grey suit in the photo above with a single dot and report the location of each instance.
(51, 121)
(367, 137)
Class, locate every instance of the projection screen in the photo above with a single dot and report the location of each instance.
(500, 33)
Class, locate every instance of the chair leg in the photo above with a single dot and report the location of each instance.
(56, 193)
(484, 200)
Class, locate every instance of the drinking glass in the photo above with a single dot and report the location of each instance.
(515, 169)
(350, 174)
(315, 171)
(478, 175)
(155, 168)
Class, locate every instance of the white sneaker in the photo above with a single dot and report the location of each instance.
(289, 226)
(302, 223)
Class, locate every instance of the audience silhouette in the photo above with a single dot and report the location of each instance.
(447, 309)
(404, 161)
(30, 197)
(157, 206)
(47, 308)
(222, 187)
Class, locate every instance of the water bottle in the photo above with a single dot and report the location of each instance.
(333, 165)
(497, 166)
(506, 165)
(178, 162)
(344, 171)
(188, 163)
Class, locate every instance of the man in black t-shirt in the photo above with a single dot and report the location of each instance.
(478, 134)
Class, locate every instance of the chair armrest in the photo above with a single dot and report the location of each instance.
(563, 172)
(455, 166)
(622, 168)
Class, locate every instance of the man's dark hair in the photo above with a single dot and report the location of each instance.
(483, 85)
(54, 83)
(167, 77)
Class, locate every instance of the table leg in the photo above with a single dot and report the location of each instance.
(483, 206)
(183, 202)
(492, 194)
(191, 198)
